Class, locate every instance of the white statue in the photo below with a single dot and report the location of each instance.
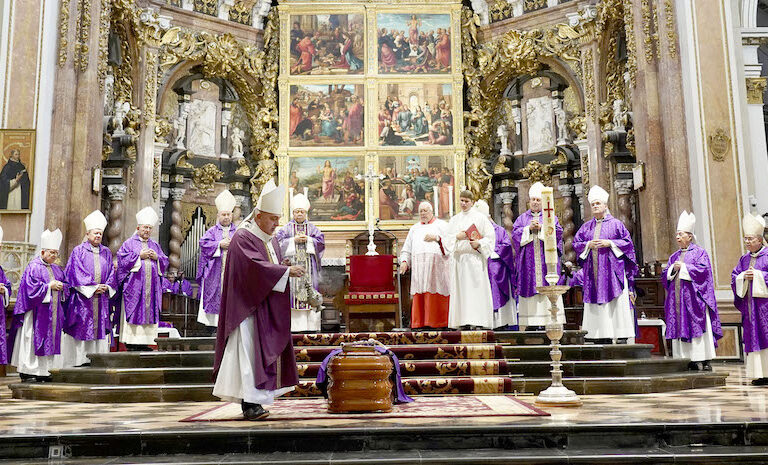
(202, 128)
(620, 116)
(179, 130)
(262, 10)
(236, 139)
(121, 109)
(503, 134)
(539, 121)
(560, 122)
(480, 7)
(517, 7)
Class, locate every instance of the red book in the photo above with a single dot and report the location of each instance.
(473, 234)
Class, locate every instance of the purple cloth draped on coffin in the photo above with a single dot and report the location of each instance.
(525, 258)
(80, 272)
(400, 396)
(32, 291)
(501, 271)
(697, 297)
(132, 284)
(611, 269)
(755, 321)
(209, 267)
(5, 348)
(284, 236)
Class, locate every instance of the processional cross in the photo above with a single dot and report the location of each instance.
(369, 177)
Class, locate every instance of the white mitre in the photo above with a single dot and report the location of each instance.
(50, 240)
(147, 215)
(225, 202)
(300, 201)
(754, 225)
(482, 206)
(95, 220)
(597, 193)
(535, 190)
(686, 222)
(271, 198)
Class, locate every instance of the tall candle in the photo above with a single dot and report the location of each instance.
(548, 226)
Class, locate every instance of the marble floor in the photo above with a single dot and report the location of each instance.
(738, 401)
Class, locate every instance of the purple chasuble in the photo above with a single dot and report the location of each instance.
(287, 232)
(88, 318)
(182, 287)
(249, 276)
(5, 349)
(397, 384)
(142, 291)
(525, 256)
(605, 282)
(754, 310)
(501, 271)
(210, 269)
(686, 317)
(48, 317)
(167, 286)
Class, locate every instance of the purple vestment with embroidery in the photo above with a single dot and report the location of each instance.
(501, 271)
(134, 285)
(33, 289)
(524, 255)
(81, 310)
(697, 297)
(209, 268)
(5, 350)
(286, 233)
(754, 310)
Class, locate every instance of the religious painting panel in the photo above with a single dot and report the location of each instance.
(327, 44)
(17, 147)
(415, 114)
(333, 184)
(326, 115)
(408, 180)
(411, 43)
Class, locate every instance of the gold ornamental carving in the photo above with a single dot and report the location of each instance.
(182, 161)
(83, 35)
(478, 178)
(204, 178)
(150, 86)
(240, 12)
(756, 89)
(63, 31)
(156, 171)
(536, 172)
(719, 144)
(163, 127)
(669, 17)
(243, 169)
(188, 210)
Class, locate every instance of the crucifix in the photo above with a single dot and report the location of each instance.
(369, 177)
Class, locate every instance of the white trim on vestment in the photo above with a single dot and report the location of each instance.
(23, 356)
(699, 349)
(612, 320)
(534, 310)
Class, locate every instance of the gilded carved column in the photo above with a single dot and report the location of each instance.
(624, 203)
(566, 221)
(174, 257)
(114, 231)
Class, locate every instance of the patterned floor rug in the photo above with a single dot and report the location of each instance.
(422, 407)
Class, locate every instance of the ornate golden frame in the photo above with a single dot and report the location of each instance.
(371, 79)
(10, 138)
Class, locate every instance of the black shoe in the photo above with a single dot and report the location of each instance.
(621, 340)
(25, 378)
(44, 379)
(253, 411)
(693, 366)
(760, 382)
(705, 366)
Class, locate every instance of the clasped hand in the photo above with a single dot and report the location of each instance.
(57, 285)
(599, 244)
(534, 226)
(101, 288)
(148, 254)
(749, 274)
(300, 239)
(296, 271)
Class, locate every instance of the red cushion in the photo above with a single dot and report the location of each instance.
(367, 298)
(371, 273)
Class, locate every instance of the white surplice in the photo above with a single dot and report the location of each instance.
(429, 261)
(471, 302)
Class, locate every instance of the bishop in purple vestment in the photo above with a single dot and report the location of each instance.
(140, 267)
(528, 242)
(91, 276)
(690, 307)
(254, 360)
(213, 257)
(41, 300)
(302, 243)
(501, 272)
(607, 255)
(749, 282)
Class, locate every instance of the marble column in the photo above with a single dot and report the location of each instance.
(566, 221)
(174, 256)
(237, 213)
(624, 203)
(114, 232)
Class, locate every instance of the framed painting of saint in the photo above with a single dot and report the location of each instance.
(333, 185)
(410, 43)
(327, 115)
(327, 44)
(16, 175)
(415, 114)
(408, 180)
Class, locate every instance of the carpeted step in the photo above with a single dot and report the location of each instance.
(190, 375)
(581, 352)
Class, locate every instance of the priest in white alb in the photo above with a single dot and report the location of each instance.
(213, 257)
(470, 241)
(607, 256)
(424, 254)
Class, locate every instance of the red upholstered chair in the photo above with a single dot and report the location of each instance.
(372, 290)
